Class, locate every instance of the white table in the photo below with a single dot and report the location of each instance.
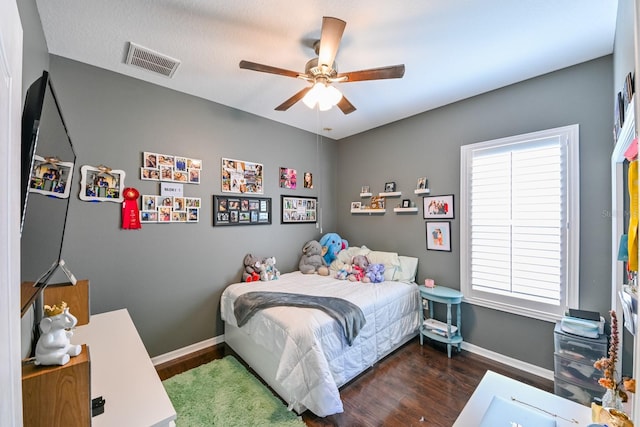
(122, 373)
(496, 384)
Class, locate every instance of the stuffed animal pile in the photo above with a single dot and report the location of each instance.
(311, 260)
(256, 269)
(361, 270)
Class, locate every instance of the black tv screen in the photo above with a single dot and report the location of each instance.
(48, 160)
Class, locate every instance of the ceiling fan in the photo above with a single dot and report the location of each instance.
(322, 71)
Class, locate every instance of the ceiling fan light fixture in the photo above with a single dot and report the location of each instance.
(326, 96)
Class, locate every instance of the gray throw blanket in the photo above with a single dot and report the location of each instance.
(347, 314)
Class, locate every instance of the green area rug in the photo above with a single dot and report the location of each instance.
(223, 393)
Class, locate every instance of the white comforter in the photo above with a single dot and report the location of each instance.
(315, 359)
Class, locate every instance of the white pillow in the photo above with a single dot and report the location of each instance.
(407, 270)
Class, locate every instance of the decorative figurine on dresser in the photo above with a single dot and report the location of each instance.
(54, 346)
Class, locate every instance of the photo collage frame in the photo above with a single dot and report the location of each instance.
(170, 168)
(297, 210)
(169, 209)
(239, 176)
(230, 210)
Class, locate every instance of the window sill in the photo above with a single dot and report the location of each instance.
(510, 308)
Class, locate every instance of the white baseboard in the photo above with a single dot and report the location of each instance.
(505, 360)
(167, 357)
(509, 361)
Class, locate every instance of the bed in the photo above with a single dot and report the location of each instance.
(303, 353)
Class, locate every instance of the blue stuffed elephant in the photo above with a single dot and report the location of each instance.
(331, 244)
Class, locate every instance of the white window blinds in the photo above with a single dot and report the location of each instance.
(516, 241)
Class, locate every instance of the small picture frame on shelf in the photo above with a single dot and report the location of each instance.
(377, 202)
(356, 205)
(423, 183)
(389, 187)
(438, 236)
(406, 203)
(364, 189)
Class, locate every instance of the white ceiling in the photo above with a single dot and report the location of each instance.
(452, 49)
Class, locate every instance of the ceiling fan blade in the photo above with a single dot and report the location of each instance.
(346, 106)
(332, 29)
(295, 98)
(391, 72)
(247, 65)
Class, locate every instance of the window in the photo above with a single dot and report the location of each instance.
(520, 228)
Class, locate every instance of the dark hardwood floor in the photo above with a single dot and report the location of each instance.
(414, 386)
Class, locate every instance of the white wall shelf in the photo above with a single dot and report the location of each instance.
(413, 209)
(366, 194)
(422, 191)
(368, 211)
(391, 194)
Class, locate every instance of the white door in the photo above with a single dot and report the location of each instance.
(10, 119)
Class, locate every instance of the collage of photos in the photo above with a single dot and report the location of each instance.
(242, 177)
(169, 209)
(241, 210)
(164, 167)
(288, 178)
(296, 210)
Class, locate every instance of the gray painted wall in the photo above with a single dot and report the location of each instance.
(429, 145)
(170, 276)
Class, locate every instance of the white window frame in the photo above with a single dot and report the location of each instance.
(570, 286)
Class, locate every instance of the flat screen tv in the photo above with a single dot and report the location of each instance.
(48, 160)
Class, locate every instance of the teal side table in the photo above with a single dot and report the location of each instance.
(443, 295)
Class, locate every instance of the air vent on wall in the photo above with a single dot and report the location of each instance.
(149, 60)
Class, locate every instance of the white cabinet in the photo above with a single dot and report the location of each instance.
(122, 373)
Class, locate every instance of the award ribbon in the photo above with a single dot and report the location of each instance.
(130, 212)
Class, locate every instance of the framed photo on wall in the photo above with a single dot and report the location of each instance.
(235, 210)
(438, 207)
(241, 177)
(101, 184)
(298, 210)
(438, 236)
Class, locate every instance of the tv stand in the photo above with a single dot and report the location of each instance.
(122, 373)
